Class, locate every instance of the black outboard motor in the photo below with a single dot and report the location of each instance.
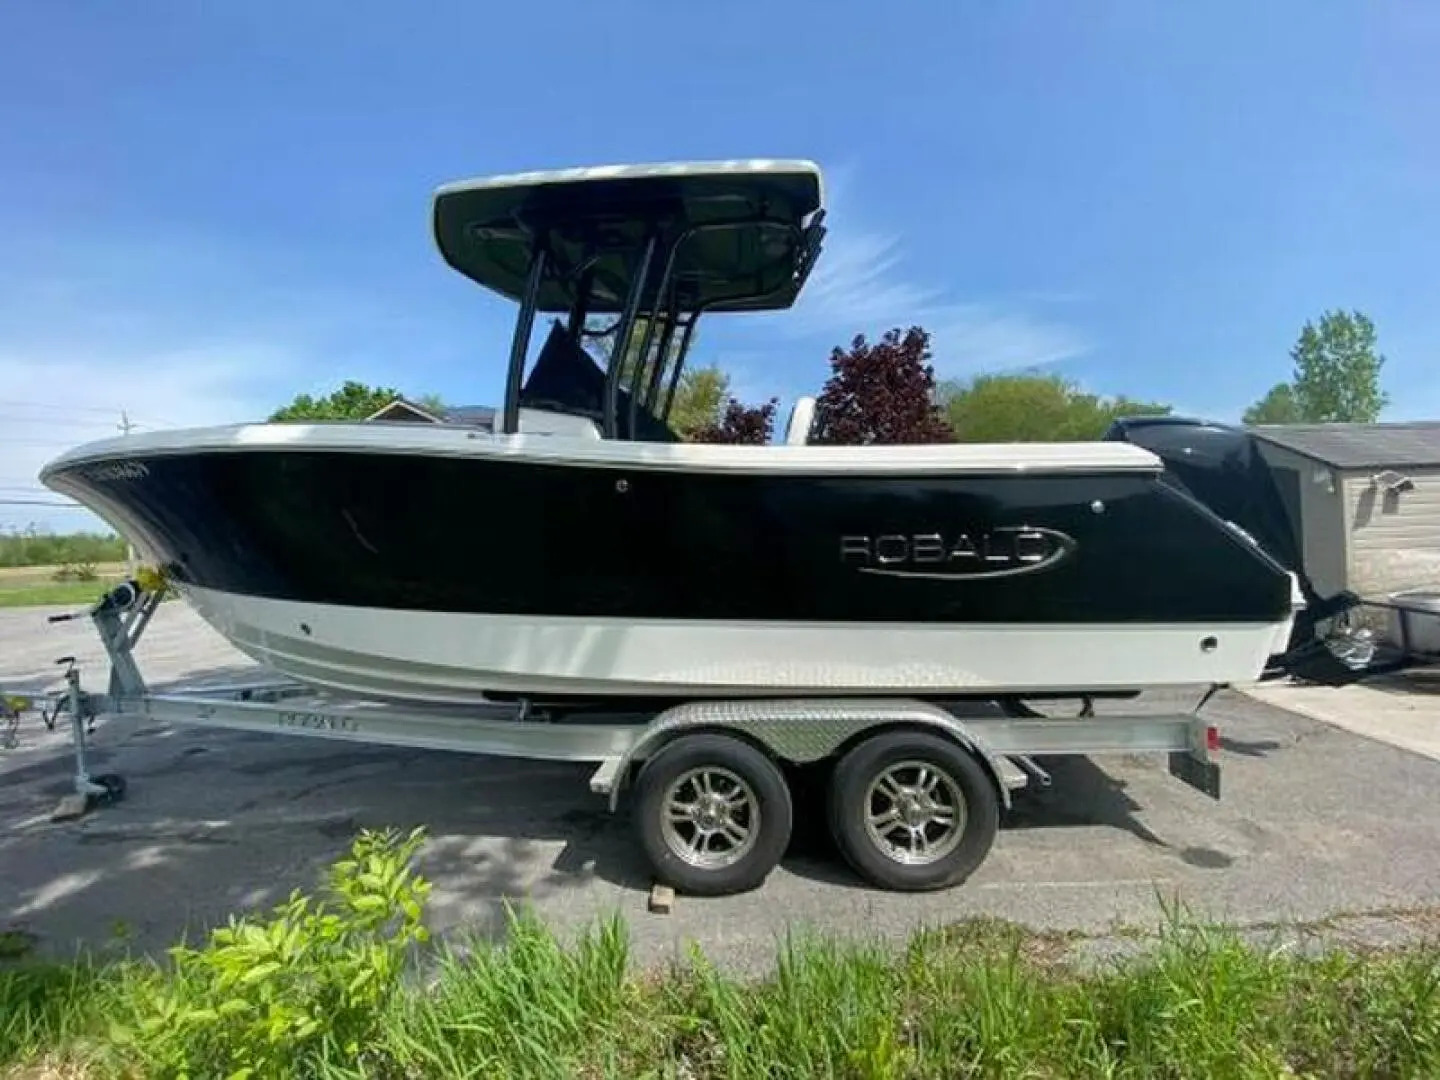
(1222, 467)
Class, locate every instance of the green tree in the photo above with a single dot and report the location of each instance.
(1336, 376)
(353, 401)
(1278, 406)
(700, 396)
(699, 400)
(1337, 370)
(1033, 407)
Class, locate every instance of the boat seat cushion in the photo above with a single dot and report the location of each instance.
(802, 418)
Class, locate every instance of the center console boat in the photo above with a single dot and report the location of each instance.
(579, 549)
(575, 582)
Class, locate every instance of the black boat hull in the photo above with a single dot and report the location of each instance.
(311, 535)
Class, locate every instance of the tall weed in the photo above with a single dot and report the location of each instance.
(325, 988)
(280, 996)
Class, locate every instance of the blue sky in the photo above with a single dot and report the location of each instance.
(205, 209)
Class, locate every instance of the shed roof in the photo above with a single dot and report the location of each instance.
(1411, 444)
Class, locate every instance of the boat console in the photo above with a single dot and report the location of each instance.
(653, 246)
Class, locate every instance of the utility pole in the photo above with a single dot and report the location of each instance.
(126, 426)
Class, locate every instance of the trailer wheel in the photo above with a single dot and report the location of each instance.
(912, 811)
(713, 813)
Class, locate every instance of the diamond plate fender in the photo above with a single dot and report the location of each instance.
(804, 730)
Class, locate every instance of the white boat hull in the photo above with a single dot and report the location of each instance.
(460, 658)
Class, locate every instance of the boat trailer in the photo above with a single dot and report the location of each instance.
(914, 788)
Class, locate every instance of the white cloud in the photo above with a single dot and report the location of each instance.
(50, 402)
(170, 332)
(862, 285)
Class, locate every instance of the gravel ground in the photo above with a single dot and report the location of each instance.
(1315, 824)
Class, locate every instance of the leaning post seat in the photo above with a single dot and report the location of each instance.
(802, 418)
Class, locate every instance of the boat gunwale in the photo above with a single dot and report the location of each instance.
(411, 439)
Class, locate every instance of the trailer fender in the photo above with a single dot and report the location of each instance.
(803, 731)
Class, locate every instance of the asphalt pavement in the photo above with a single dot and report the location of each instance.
(1315, 823)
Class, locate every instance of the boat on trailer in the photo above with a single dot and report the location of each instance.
(575, 582)
(579, 549)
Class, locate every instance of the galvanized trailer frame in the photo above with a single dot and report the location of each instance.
(788, 732)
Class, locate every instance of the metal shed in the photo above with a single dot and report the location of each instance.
(1366, 498)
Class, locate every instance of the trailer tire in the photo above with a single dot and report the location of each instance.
(740, 819)
(890, 766)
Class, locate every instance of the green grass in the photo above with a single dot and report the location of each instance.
(51, 593)
(30, 547)
(323, 988)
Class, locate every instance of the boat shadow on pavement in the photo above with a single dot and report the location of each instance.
(1082, 795)
(216, 822)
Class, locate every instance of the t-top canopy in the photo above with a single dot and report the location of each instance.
(742, 235)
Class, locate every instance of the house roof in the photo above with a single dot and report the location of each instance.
(466, 415)
(478, 415)
(400, 404)
(1359, 446)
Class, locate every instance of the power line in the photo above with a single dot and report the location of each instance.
(55, 407)
(152, 421)
(37, 444)
(68, 422)
(28, 429)
(125, 427)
